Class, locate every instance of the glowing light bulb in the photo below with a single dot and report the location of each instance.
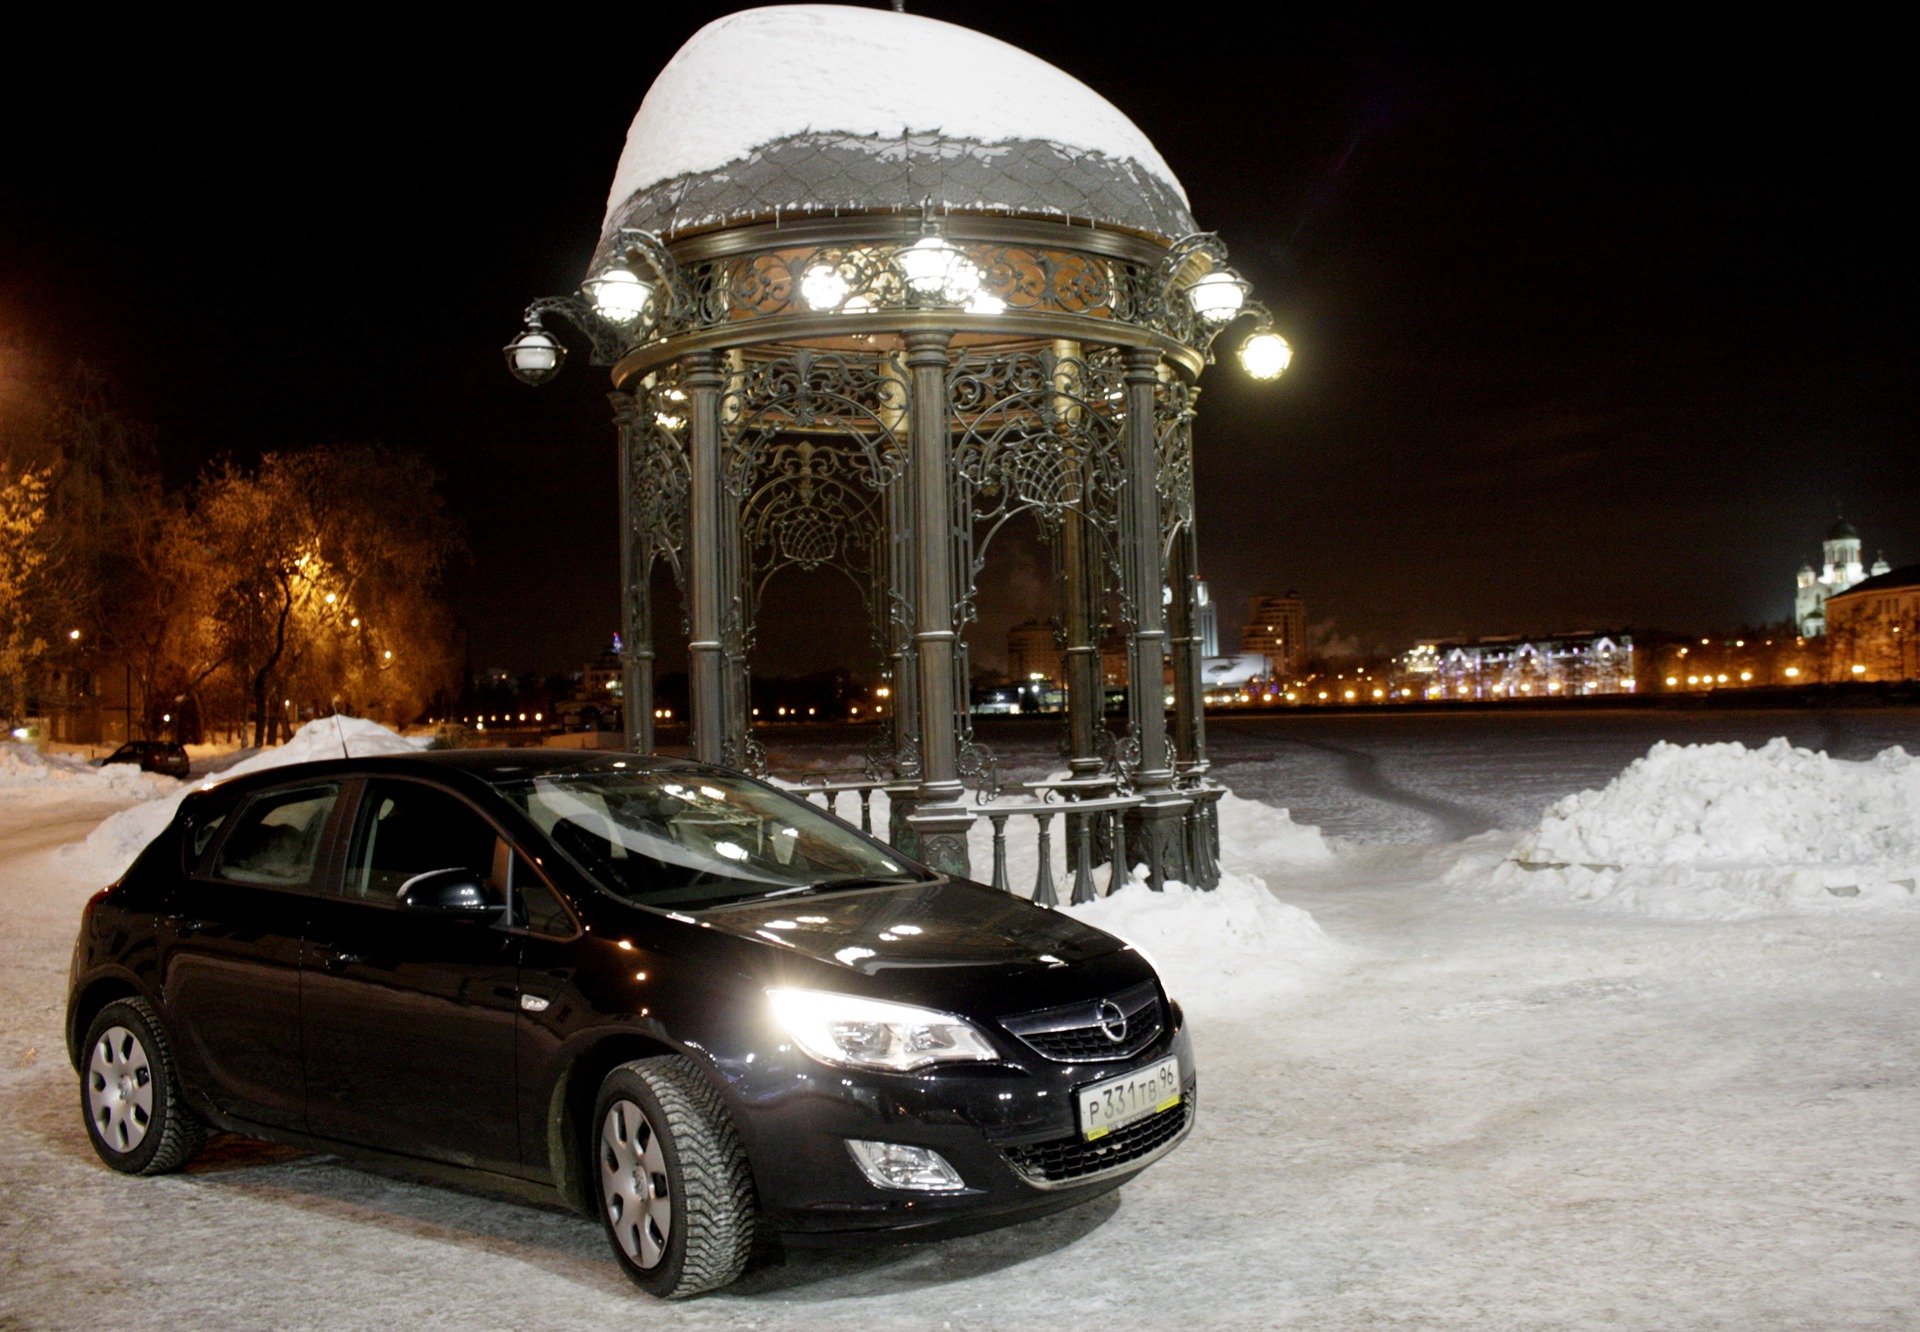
(1217, 296)
(823, 288)
(1266, 355)
(619, 294)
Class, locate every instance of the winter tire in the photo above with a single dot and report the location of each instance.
(672, 1179)
(130, 1092)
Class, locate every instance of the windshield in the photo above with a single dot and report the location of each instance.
(696, 840)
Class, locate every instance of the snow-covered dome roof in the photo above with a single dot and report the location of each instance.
(816, 108)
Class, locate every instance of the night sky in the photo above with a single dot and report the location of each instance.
(1596, 319)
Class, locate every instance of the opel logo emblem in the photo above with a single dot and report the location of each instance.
(1113, 1023)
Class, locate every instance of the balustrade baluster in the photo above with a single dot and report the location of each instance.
(1000, 852)
(1043, 894)
(1122, 872)
(1082, 857)
(866, 810)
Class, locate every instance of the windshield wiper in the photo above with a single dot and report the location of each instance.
(869, 881)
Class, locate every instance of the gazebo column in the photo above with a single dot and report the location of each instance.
(938, 818)
(706, 650)
(735, 749)
(636, 601)
(1158, 820)
(1079, 598)
(902, 705)
(1079, 587)
(1189, 716)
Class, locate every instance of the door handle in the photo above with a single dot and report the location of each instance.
(183, 926)
(336, 962)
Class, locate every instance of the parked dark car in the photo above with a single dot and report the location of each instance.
(686, 1002)
(152, 756)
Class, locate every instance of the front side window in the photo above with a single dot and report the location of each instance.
(407, 828)
(276, 838)
(693, 840)
(535, 907)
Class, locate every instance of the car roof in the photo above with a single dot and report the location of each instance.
(490, 766)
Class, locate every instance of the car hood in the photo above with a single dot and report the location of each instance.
(946, 923)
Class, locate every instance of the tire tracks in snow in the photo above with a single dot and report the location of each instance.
(1365, 775)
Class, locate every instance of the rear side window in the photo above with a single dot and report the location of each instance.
(201, 830)
(276, 837)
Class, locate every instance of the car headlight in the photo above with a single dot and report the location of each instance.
(854, 1032)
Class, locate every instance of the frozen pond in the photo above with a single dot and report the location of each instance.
(1426, 776)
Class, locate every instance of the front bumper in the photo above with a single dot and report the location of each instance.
(1009, 1129)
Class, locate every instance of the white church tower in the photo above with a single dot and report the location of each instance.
(1841, 570)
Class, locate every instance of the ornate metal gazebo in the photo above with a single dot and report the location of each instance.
(867, 344)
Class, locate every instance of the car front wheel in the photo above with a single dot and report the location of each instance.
(675, 1190)
(130, 1093)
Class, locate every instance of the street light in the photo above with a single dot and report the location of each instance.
(1217, 296)
(934, 268)
(617, 293)
(824, 287)
(535, 356)
(1265, 355)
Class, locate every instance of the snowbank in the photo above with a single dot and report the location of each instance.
(1216, 950)
(25, 769)
(111, 847)
(1722, 831)
(1234, 944)
(1259, 838)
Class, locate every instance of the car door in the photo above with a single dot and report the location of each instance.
(408, 1016)
(231, 947)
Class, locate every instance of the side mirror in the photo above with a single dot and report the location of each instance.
(447, 892)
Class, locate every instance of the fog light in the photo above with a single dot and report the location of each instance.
(893, 1165)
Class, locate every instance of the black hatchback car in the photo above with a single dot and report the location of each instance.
(163, 756)
(688, 1003)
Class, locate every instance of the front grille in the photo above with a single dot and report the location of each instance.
(1062, 1160)
(1073, 1034)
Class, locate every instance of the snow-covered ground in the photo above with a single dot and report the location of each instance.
(1431, 1093)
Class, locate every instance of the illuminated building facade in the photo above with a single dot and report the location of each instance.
(1840, 569)
(1873, 628)
(1513, 667)
(1276, 629)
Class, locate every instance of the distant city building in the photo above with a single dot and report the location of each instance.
(1032, 653)
(1873, 627)
(1276, 629)
(1513, 667)
(1840, 570)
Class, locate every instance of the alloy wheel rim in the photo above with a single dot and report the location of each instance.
(633, 1179)
(120, 1089)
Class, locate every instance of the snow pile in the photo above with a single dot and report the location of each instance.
(1723, 831)
(1216, 950)
(111, 847)
(1212, 949)
(1257, 837)
(915, 74)
(24, 768)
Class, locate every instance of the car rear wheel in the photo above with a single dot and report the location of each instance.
(130, 1093)
(675, 1190)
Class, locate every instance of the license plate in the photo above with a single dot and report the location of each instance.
(1118, 1102)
